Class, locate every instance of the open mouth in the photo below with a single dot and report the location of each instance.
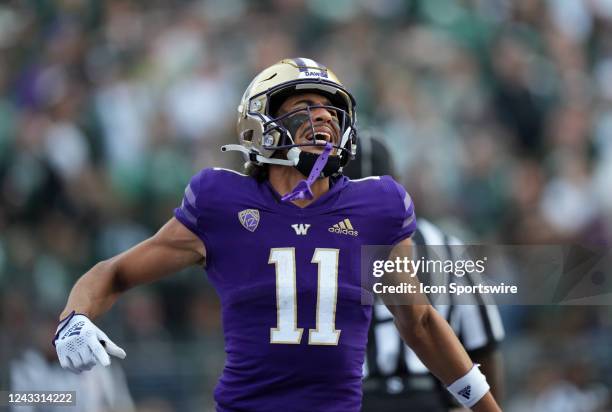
(322, 137)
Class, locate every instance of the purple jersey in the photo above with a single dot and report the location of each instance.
(289, 284)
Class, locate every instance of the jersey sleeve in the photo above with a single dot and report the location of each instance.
(191, 209)
(404, 219)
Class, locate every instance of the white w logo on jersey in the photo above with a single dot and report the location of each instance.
(301, 228)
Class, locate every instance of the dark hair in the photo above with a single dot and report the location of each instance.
(258, 172)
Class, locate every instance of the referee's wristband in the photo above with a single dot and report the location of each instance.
(470, 388)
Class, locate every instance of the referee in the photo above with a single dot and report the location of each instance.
(394, 377)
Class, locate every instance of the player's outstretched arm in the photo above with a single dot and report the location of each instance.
(80, 345)
(435, 343)
(172, 248)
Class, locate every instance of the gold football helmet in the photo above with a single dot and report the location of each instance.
(261, 131)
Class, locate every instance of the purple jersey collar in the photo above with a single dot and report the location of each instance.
(326, 200)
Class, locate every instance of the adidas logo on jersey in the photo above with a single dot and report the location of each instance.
(343, 227)
(465, 392)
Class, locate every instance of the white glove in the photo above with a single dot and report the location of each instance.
(80, 345)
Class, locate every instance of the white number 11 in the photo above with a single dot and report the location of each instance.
(286, 330)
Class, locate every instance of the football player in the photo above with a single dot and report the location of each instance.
(282, 248)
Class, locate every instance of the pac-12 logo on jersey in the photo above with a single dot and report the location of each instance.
(301, 228)
(249, 218)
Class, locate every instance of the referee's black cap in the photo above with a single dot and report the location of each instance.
(373, 157)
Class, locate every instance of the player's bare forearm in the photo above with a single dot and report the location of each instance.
(435, 343)
(171, 249)
(428, 333)
(94, 292)
(432, 339)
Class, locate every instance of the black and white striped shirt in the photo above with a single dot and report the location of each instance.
(478, 326)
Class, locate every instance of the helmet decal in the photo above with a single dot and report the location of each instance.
(310, 68)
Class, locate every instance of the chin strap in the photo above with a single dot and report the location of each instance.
(302, 189)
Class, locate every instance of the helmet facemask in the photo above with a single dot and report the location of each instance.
(290, 123)
(278, 131)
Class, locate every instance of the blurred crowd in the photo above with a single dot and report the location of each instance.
(498, 112)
